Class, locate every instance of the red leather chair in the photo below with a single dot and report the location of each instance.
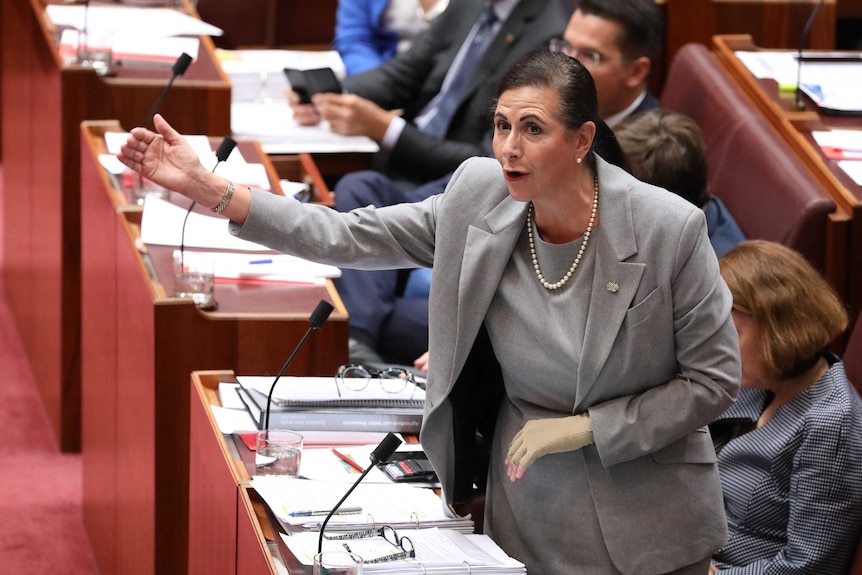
(751, 168)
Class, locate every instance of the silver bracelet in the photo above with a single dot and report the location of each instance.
(225, 199)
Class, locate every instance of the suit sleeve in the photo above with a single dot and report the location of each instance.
(706, 347)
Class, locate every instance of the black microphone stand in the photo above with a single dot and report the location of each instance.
(803, 40)
(225, 148)
(316, 321)
(381, 454)
(179, 68)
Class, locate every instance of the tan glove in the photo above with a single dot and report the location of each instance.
(540, 437)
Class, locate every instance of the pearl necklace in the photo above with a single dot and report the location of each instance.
(555, 286)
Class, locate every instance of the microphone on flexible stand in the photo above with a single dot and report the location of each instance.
(225, 148)
(803, 41)
(381, 454)
(316, 321)
(179, 68)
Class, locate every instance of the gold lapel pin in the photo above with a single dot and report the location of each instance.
(613, 287)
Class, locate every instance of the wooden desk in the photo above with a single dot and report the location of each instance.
(138, 348)
(44, 102)
(796, 127)
(271, 23)
(776, 23)
(227, 520)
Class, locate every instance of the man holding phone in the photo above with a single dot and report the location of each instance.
(427, 107)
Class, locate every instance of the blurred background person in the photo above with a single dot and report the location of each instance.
(369, 32)
(426, 107)
(790, 448)
(666, 149)
(617, 41)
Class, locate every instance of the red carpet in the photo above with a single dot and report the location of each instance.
(41, 524)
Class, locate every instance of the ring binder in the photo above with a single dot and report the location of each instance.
(415, 517)
(469, 569)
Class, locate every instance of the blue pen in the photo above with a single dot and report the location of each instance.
(253, 262)
(317, 512)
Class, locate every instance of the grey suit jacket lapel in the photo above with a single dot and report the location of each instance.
(486, 254)
(615, 282)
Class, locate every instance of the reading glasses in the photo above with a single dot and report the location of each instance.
(357, 377)
(586, 56)
(388, 533)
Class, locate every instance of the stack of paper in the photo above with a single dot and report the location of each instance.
(437, 550)
(324, 392)
(301, 505)
(318, 403)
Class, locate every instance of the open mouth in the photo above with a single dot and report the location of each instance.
(513, 175)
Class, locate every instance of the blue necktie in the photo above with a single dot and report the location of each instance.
(448, 102)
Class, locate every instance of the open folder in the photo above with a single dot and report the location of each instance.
(437, 551)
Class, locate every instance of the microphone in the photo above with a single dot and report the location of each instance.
(179, 68)
(381, 454)
(316, 321)
(803, 41)
(225, 148)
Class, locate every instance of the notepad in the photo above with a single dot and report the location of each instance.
(398, 505)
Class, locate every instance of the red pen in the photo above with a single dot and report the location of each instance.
(348, 460)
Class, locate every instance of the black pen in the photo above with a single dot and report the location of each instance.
(318, 512)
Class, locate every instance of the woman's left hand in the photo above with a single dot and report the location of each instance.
(540, 437)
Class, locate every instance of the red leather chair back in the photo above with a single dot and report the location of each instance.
(751, 169)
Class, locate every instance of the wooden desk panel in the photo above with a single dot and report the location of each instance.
(139, 347)
(795, 128)
(225, 535)
(776, 23)
(44, 102)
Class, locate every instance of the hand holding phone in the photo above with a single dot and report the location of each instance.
(307, 83)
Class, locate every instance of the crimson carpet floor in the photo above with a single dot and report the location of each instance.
(41, 522)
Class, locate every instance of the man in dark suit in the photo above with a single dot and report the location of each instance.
(395, 103)
(616, 40)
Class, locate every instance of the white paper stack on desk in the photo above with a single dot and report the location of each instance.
(398, 505)
(309, 403)
(437, 550)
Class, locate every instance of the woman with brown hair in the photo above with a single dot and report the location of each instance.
(791, 460)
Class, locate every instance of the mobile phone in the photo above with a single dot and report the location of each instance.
(410, 469)
(307, 83)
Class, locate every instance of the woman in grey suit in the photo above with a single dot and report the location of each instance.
(578, 326)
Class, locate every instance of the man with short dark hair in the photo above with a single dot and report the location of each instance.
(666, 149)
(617, 41)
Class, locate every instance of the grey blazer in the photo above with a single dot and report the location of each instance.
(410, 80)
(660, 353)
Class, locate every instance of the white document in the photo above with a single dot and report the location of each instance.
(853, 168)
(831, 85)
(395, 504)
(133, 48)
(438, 550)
(273, 268)
(162, 224)
(273, 125)
(846, 140)
(130, 20)
(321, 391)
